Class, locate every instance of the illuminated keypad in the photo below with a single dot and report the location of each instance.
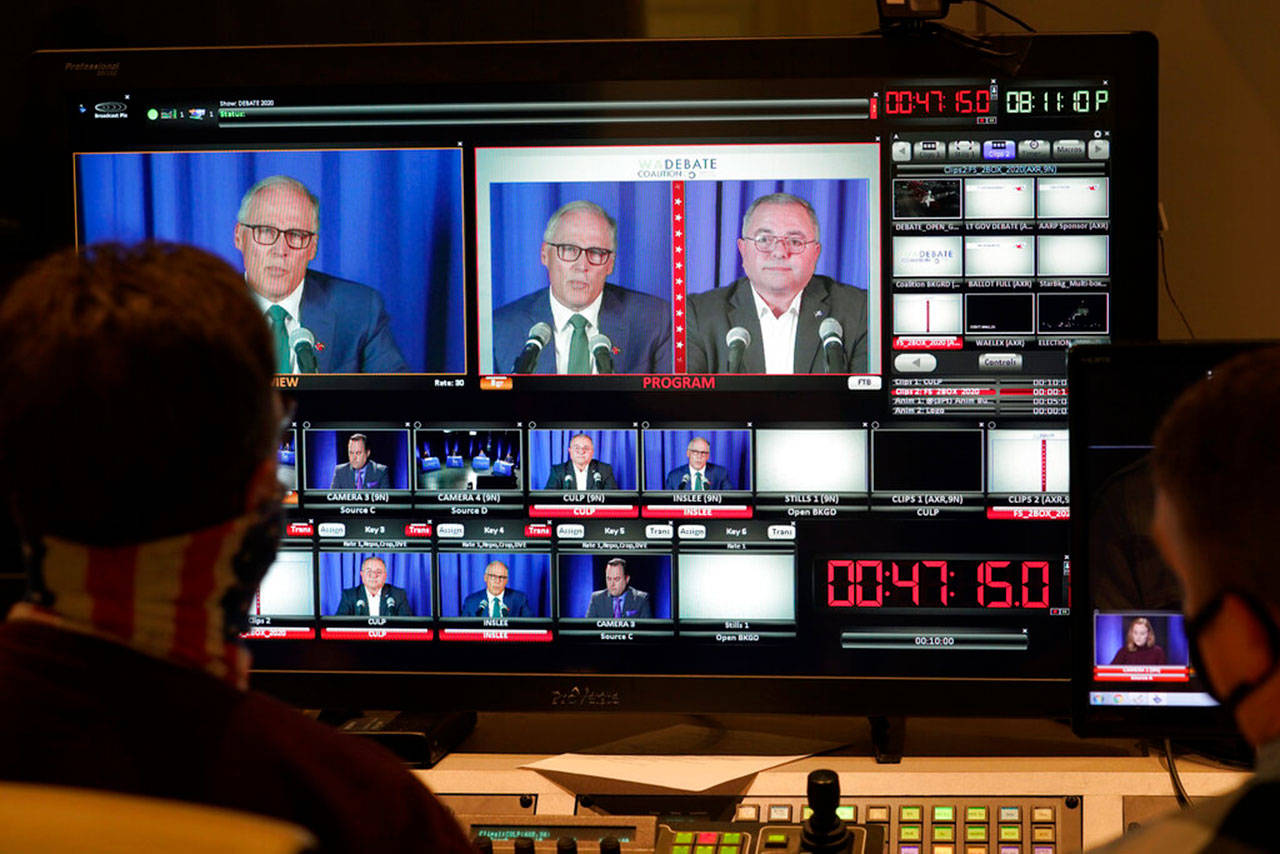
(1010, 833)
(704, 849)
(908, 849)
(877, 814)
(684, 838)
(975, 813)
(944, 813)
(1010, 813)
(944, 833)
(731, 839)
(944, 849)
(708, 837)
(847, 812)
(1039, 814)
(975, 833)
(681, 849)
(975, 849)
(1042, 833)
(910, 833)
(775, 840)
(911, 814)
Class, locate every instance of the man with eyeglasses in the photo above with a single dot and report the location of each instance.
(277, 233)
(780, 302)
(700, 475)
(122, 668)
(373, 596)
(579, 248)
(497, 600)
(581, 471)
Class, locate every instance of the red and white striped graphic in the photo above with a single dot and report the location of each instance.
(678, 275)
(163, 598)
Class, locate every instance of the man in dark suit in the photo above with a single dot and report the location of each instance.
(497, 600)
(618, 598)
(360, 472)
(276, 231)
(578, 249)
(700, 475)
(780, 302)
(373, 597)
(580, 471)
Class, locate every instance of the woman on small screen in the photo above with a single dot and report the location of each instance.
(1139, 645)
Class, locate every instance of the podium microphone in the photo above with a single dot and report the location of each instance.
(738, 340)
(684, 481)
(303, 344)
(832, 335)
(602, 350)
(539, 337)
(568, 481)
(484, 606)
(595, 479)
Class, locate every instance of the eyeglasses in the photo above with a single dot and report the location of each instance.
(267, 235)
(767, 242)
(495, 577)
(698, 453)
(569, 252)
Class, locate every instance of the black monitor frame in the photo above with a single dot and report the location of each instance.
(335, 675)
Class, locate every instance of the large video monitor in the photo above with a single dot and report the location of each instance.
(685, 375)
(1133, 673)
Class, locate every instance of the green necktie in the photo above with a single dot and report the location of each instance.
(276, 316)
(493, 607)
(697, 482)
(579, 358)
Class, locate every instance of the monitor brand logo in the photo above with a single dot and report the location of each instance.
(579, 696)
(102, 69)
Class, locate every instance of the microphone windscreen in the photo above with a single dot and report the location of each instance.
(299, 336)
(830, 327)
(600, 340)
(540, 332)
(736, 334)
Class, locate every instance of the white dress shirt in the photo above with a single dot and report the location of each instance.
(581, 476)
(375, 602)
(560, 315)
(778, 334)
(293, 305)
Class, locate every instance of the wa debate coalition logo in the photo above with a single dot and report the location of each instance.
(676, 168)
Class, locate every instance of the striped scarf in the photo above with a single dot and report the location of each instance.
(166, 598)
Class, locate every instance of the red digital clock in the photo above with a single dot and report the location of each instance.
(939, 101)
(918, 582)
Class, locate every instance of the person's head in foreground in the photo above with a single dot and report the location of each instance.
(1216, 470)
(145, 375)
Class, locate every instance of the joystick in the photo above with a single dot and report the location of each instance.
(483, 845)
(524, 845)
(566, 845)
(610, 845)
(824, 832)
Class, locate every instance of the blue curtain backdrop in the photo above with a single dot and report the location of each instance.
(715, 210)
(462, 573)
(519, 214)
(327, 449)
(551, 447)
(664, 450)
(581, 574)
(1109, 636)
(410, 570)
(391, 220)
(496, 444)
